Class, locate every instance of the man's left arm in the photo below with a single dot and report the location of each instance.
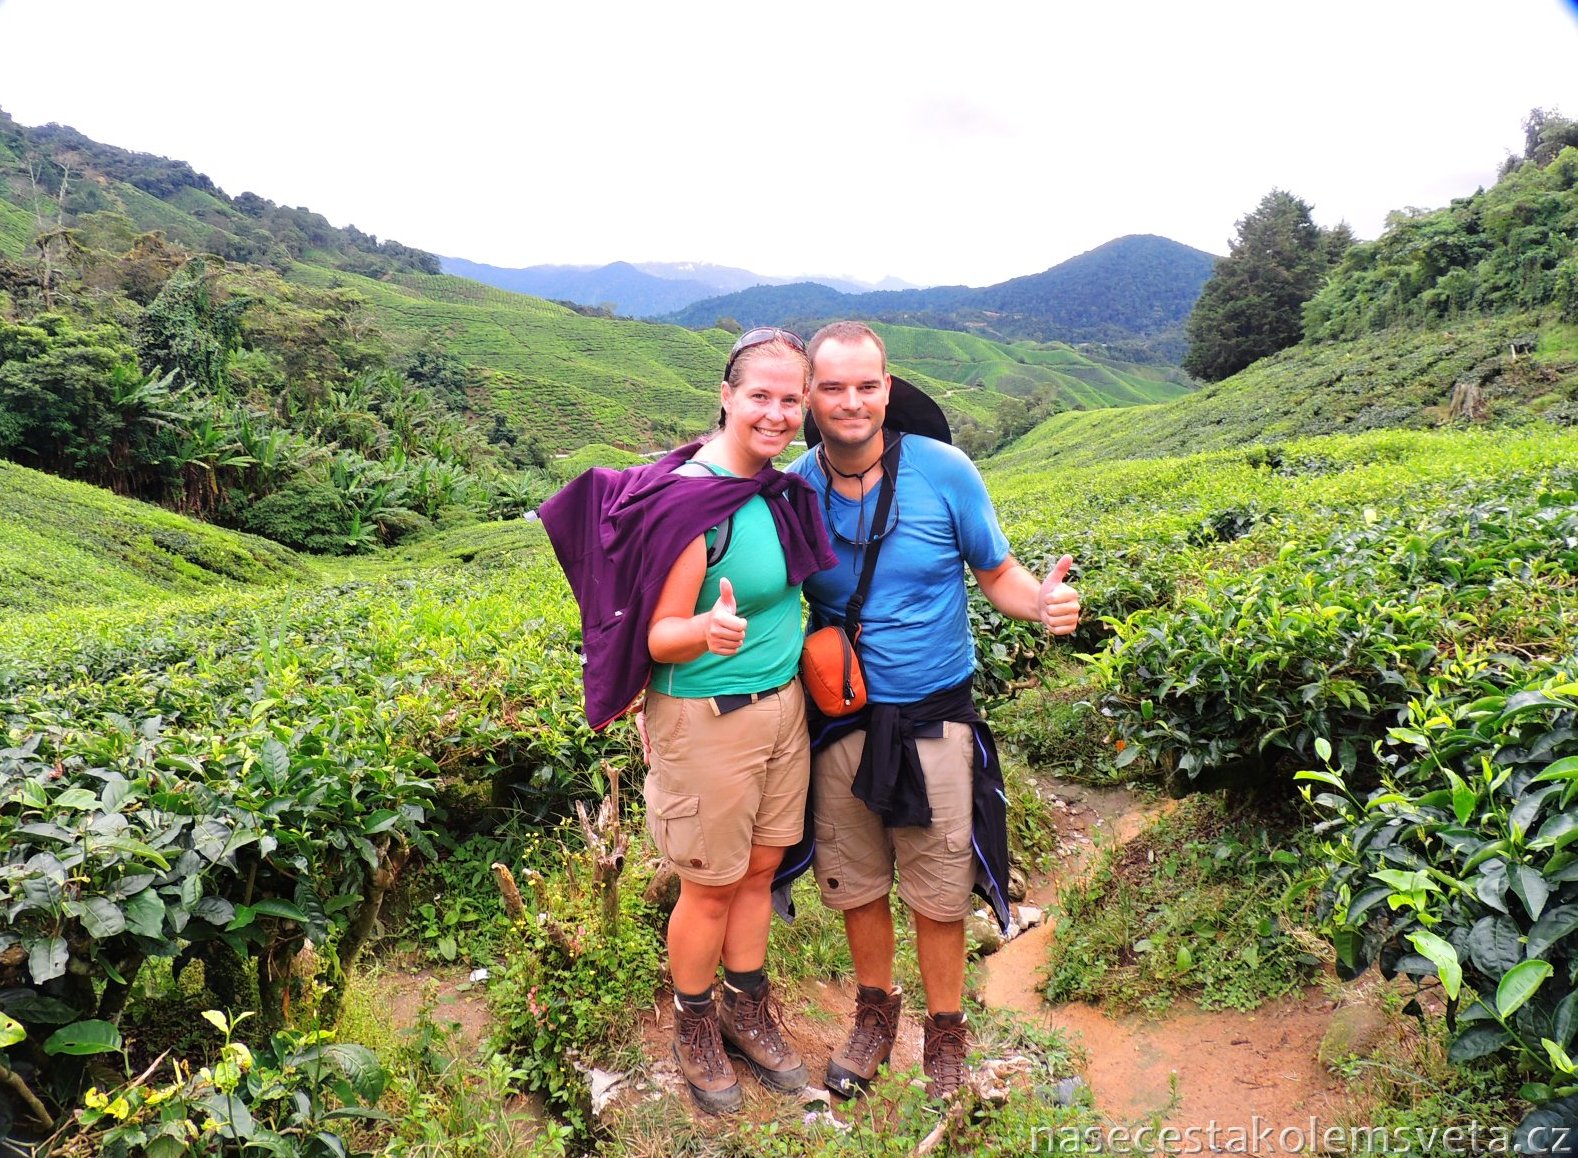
(1017, 593)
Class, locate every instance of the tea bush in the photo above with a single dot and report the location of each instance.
(1463, 863)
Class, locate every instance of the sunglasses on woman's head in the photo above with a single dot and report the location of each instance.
(760, 336)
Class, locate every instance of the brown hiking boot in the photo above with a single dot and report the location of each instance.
(942, 1056)
(851, 1069)
(752, 1029)
(698, 1049)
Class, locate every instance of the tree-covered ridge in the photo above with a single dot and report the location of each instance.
(1133, 293)
(1512, 247)
(102, 196)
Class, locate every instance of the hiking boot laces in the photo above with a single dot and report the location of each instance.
(945, 1047)
(762, 1018)
(699, 1035)
(875, 1027)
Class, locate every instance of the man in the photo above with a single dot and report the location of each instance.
(918, 658)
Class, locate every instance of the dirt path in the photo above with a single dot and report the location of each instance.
(1191, 1067)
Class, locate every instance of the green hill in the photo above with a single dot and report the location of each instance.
(67, 544)
(571, 380)
(1133, 292)
(1398, 378)
(1468, 313)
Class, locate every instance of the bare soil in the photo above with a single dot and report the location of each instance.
(1191, 1067)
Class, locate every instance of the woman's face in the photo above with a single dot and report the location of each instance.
(765, 410)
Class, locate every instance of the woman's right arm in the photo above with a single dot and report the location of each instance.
(677, 633)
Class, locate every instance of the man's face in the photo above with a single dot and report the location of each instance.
(849, 392)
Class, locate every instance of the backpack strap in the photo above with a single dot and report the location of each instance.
(720, 542)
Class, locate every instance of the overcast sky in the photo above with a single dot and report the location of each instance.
(937, 142)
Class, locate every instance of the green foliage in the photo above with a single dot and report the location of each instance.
(1334, 637)
(1460, 864)
(1399, 379)
(65, 544)
(1201, 904)
(1503, 250)
(188, 330)
(298, 1095)
(1252, 305)
(573, 985)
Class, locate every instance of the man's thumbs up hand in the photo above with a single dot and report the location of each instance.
(725, 630)
(1058, 602)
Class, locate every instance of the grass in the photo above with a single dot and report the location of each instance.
(1202, 905)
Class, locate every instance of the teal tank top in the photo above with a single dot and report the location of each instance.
(754, 564)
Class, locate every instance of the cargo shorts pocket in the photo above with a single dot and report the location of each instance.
(674, 820)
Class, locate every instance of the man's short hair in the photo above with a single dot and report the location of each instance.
(846, 332)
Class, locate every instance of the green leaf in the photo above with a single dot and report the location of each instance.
(102, 918)
(1557, 832)
(1323, 749)
(1531, 888)
(1441, 954)
(380, 821)
(1494, 945)
(1464, 798)
(78, 799)
(1559, 1059)
(145, 914)
(1519, 985)
(360, 1066)
(275, 759)
(46, 959)
(1552, 927)
(1323, 777)
(1564, 769)
(1481, 1039)
(11, 1031)
(1564, 1022)
(81, 1038)
(279, 907)
(138, 849)
(37, 1009)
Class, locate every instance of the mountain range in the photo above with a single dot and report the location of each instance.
(1135, 291)
(639, 290)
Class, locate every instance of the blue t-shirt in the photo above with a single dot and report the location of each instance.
(915, 636)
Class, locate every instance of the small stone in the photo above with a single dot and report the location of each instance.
(1018, 886)
(983, 933)
(1030, 916)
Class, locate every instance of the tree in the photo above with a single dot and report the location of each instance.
(188, 328)
(1252, 306)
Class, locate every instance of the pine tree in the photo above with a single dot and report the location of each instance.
(1252, 306)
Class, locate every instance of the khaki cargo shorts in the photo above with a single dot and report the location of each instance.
(719, 783)
(856, 854)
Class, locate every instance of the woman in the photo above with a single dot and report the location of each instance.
(726, 736)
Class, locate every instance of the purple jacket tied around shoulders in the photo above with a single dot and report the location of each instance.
(617, 534)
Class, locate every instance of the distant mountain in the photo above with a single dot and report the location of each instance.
(639, 290)
(728, 279)
(627, 289)
(1135, 290)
